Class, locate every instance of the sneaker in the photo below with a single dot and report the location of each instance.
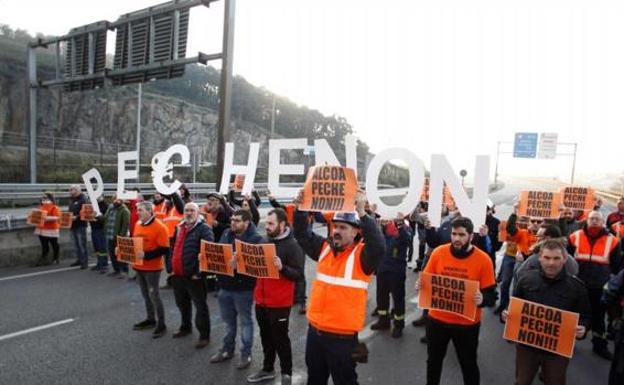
(202, 343)
(260, 376)
(160, 331)
(286, 379)
(181, 333)
(244, 362)
(143, 325)
(221, 356)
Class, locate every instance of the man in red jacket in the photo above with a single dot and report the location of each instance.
(275, 297)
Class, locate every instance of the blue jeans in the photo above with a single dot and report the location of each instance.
(79, 235)
(233, 303)
(98, 238)
(506, 275)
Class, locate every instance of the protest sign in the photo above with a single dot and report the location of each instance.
(87, 213)
(66, 220)
(542, 204)
(578, 198)
(541, 326)
(256, 260)
(36, 217)
(216, 258)
(448, 294)
(128, 249)
(329, 188)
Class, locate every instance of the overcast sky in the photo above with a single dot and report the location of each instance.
(451, 77)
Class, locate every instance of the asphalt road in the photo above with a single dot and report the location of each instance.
(96, 343)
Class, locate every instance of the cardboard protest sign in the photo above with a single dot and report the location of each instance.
(448, 294)
(543, 204)
(36, 217)
(541, 326)
(66, 220)
(87, 213)
(578, 198)
(256, 260)
(329, 188)
(128, 249)
(239, 182)
(216, 258)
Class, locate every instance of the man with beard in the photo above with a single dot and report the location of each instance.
(337, 307)
(189, 285)
(116, 222)
(598, 254)
(567, 222)
(459, 259)
(275, 297)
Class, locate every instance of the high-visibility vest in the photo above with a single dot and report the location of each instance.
(172, 220)
(618, 229)
(161, 210)
(598, 253)
(339, 292)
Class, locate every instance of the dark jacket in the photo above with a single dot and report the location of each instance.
(239, 282)
(221, 223)
(395, 257)
(564, 292)
(122, 220)
(99, 220)
(191, 245)
(312, 243)
(595, 275)
(568, 227)
(281, 292)
(75, 204)
(493, 224)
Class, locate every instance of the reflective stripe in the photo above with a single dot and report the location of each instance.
(340, 281)
(350, 262)
(324, 252)
(608, 247)
(592, 258)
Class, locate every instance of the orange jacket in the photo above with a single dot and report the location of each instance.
(51, 210)
(155, 235)
(598, 253)
(339, 292)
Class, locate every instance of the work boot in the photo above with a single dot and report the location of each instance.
(383, 323)
(147, 324)
(160, 331)
(421, 321)
(600, 347)
(397, 330)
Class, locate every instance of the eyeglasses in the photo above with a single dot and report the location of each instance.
(536, 221)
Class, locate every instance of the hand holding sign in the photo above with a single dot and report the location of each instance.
(478, 298)
(278, 263)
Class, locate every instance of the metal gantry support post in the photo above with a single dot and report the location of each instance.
(138, 133)
(225, 89)
(32, 108)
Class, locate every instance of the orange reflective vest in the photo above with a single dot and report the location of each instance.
(161, 210)
(598, 252)
(339, 292)
(172, 220)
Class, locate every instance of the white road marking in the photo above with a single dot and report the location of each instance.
(41, 273)
(36, 329)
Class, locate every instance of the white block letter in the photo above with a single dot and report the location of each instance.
(123, 174)
(416, 181)
(161, 168)
(325, 155)
(229, 168)
(87, 177)
(441, 171)
(276, 168)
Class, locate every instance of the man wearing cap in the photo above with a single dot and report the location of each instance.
(337, 306)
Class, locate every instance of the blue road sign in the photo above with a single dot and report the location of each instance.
(525, 145)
